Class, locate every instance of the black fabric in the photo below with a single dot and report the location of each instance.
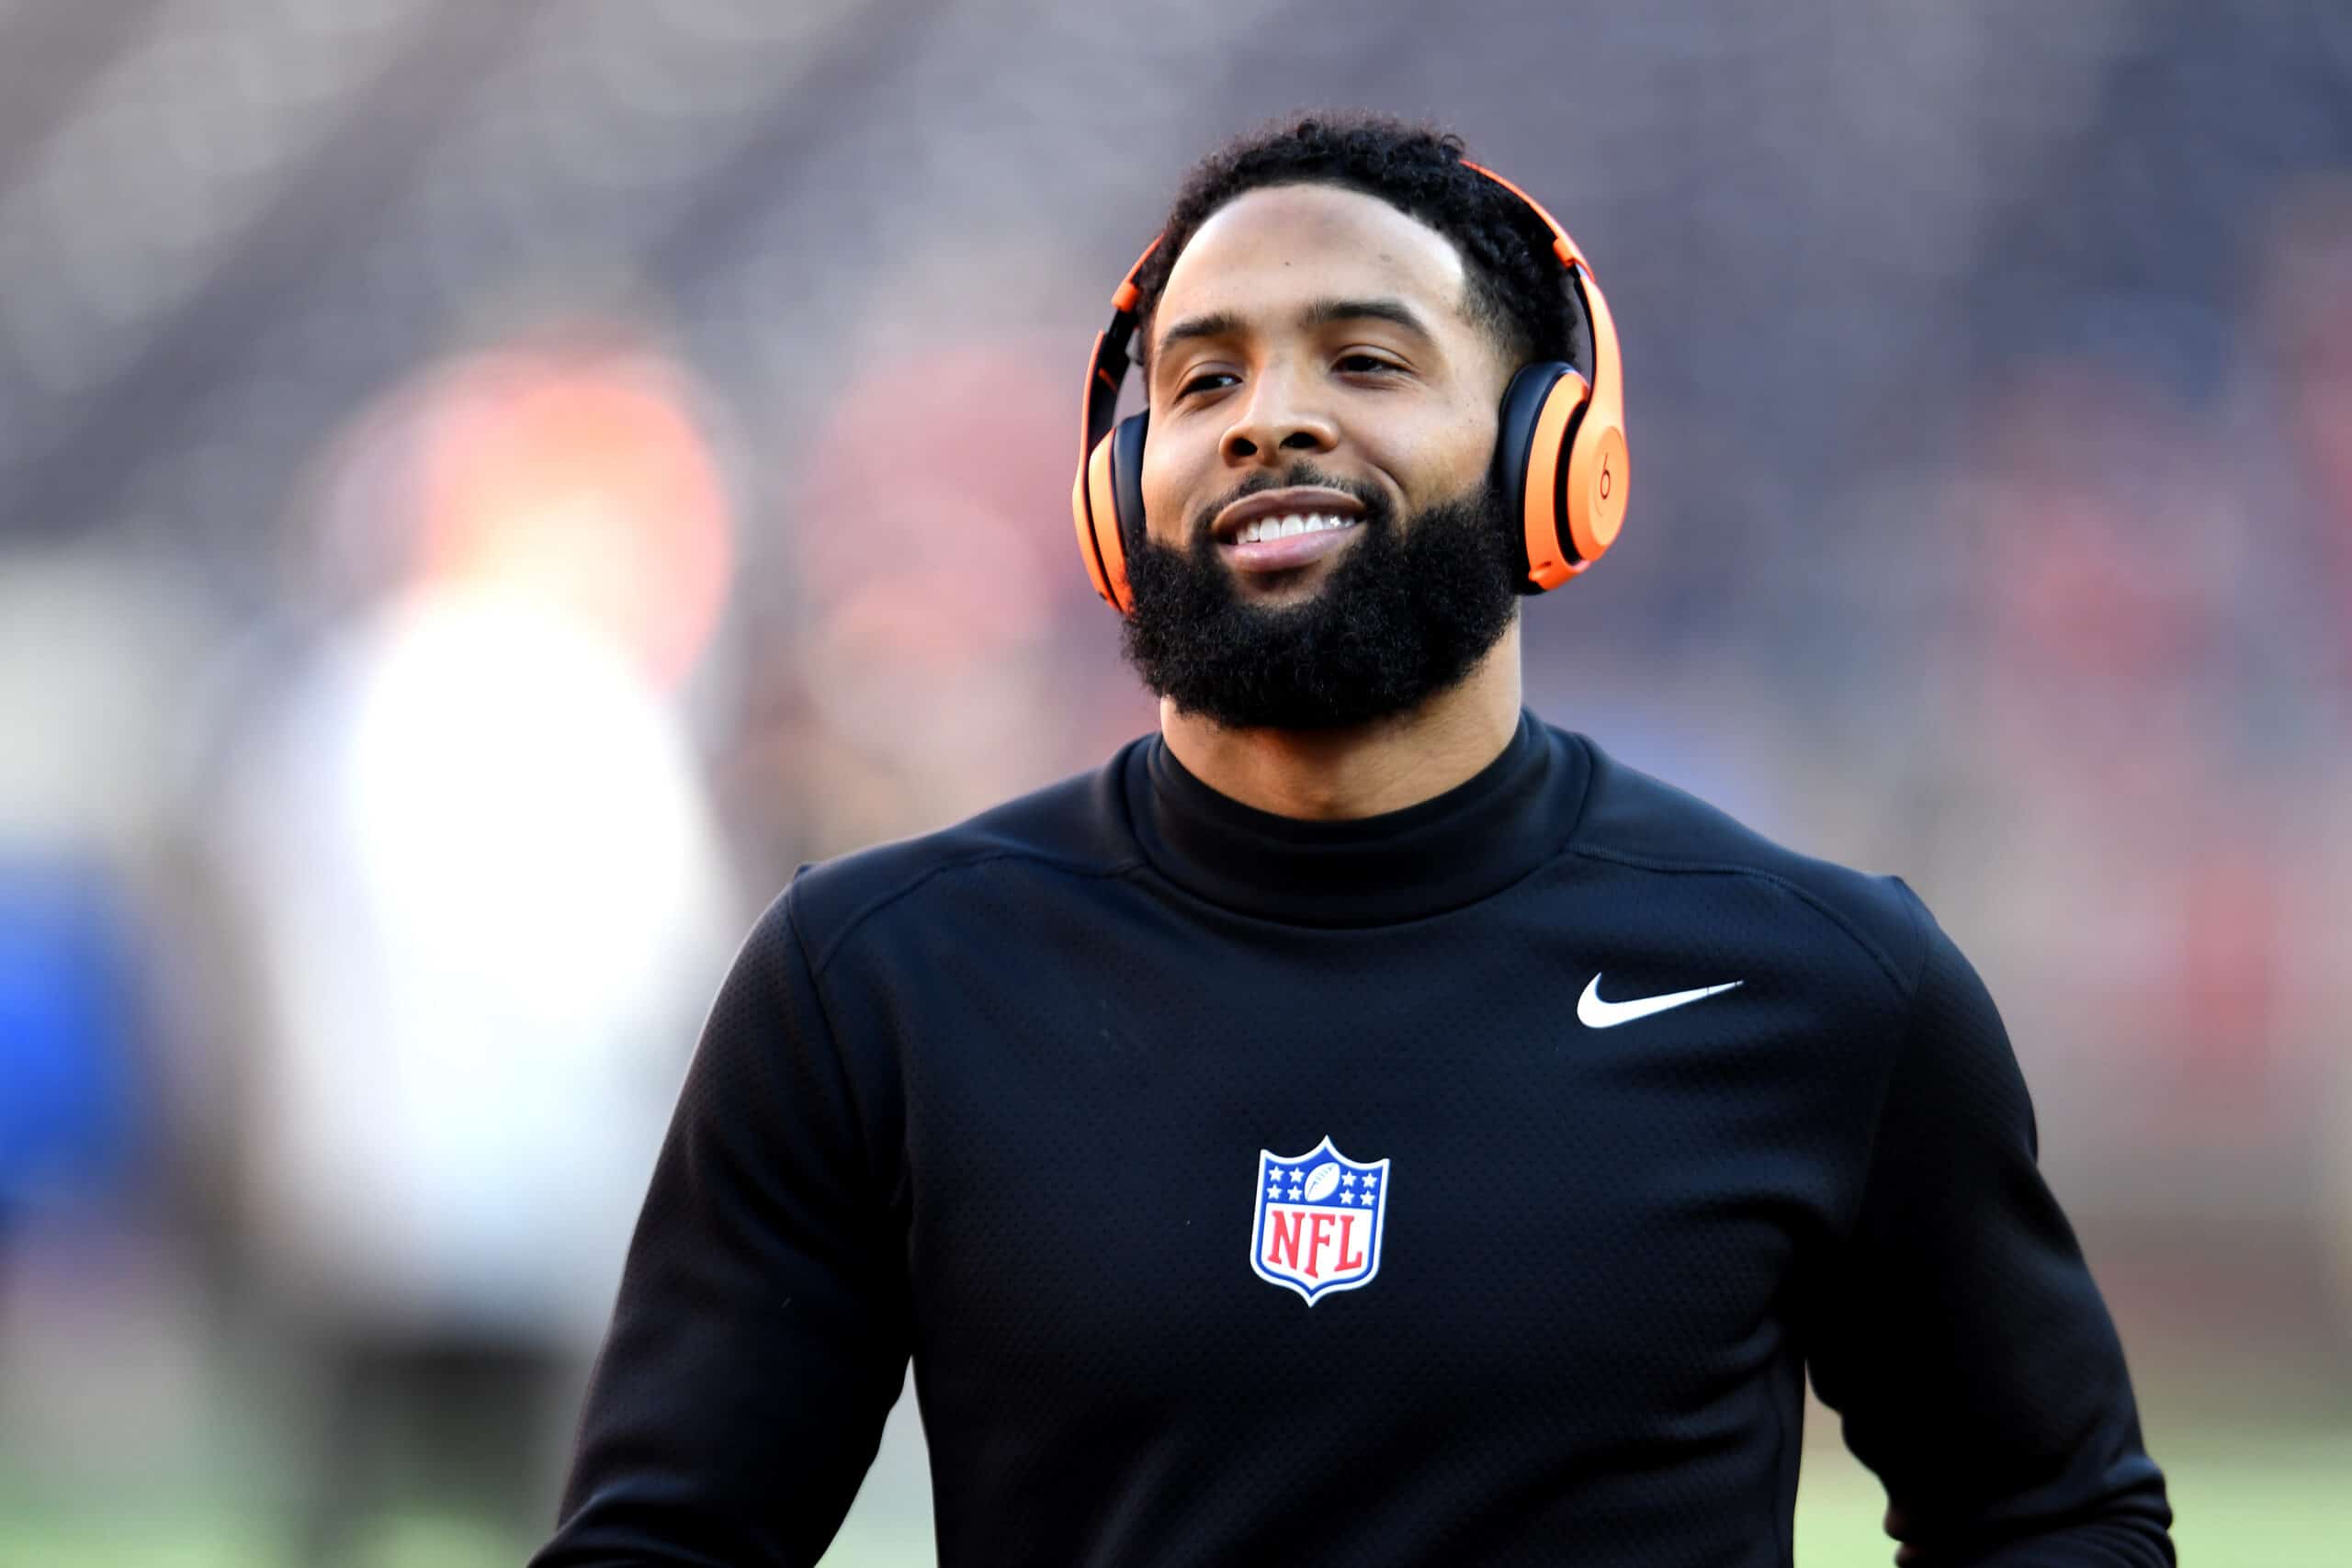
(996, 1098)
(1466, 845)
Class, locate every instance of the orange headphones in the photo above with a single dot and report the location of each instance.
(1560, 446)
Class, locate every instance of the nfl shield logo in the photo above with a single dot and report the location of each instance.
(1318, 1221)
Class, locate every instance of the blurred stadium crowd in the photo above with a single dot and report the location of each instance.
(486, 490)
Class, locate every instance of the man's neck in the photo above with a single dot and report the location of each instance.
(1364, 770)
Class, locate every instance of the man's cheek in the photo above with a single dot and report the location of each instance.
(1163, 510)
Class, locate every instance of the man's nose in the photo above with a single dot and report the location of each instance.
(1277, 419)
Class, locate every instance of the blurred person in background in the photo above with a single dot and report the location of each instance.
(2308, 303)
(928, 636)
(93, 1188)
(71, 1023)
(1578, 1123)
(75, 1023)
(2306, 307)
(481, 876)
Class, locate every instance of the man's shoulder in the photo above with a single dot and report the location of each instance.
(1642, 823)
(1076, 827)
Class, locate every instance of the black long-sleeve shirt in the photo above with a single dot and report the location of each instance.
(1252, 1191)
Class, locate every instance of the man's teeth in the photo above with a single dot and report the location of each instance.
(1284, 527)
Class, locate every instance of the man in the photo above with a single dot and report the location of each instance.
(1574, 1120)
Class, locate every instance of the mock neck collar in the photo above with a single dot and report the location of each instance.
(1450, 849)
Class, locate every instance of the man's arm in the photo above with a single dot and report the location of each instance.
(1958, 1330)
(761, 1335)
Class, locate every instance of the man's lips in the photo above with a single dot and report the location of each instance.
(1291, 551)
(1288, 551)
(1303, 501)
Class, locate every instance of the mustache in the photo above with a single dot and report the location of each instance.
(1376, 504)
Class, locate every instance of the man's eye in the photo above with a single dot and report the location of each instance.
(1201, 383)
(1360, 361)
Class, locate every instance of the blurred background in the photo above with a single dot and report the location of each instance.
(487, 490)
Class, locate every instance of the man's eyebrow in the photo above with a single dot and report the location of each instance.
(1321, 313)
(1330, 312)
(1217, 323)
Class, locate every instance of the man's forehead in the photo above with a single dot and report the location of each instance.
(1282, 245)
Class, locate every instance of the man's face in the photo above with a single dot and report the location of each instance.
(1312, 359)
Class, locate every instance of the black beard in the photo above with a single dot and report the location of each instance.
(1404, 617)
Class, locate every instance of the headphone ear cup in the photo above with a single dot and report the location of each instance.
(1598, 472)
(1081, 511)
(1516, 428)
(1127, 478)
(1532, 449)
(1089, 497)
(1111, 493)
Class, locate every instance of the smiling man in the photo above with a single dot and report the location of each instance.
(1361, 1123)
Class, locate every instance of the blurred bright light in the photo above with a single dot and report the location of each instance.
(579, 482)
(516, 792)
(487, 892)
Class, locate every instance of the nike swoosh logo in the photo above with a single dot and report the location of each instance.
(1594, 1013)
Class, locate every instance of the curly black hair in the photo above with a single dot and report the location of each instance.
(1518, 290)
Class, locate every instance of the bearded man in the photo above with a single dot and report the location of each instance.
(1360, 1124)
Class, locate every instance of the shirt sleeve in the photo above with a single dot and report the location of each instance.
(761, 1335)
(1957, 1329)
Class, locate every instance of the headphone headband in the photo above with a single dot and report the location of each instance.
(1580, 277)
(1109, 370)
(1562, 246)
